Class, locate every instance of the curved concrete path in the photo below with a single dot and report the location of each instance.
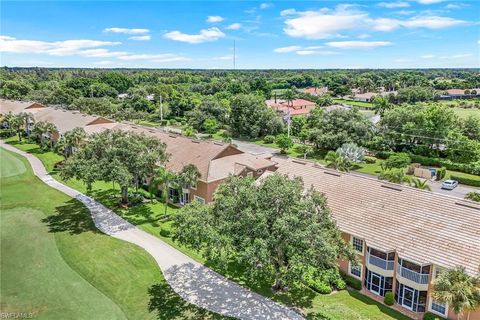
(191, 280)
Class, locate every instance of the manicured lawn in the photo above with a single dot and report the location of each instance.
(465, 113)
(369, 168)
(354, 103)
(57, 265)
(149, 216)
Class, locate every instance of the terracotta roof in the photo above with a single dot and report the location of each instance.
(456, 91)
(16, 107)
(184, 150)
(296, 107)
(422, 226)
(66, 120)
(316, 91)
(222, 167)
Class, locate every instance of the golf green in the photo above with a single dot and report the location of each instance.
(10, 166)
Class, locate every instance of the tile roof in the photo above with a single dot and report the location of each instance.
(66, 120)
(235, 164)
(422, 226)
(296, 107)
(16, 107)
(316, 91)
(456, 91)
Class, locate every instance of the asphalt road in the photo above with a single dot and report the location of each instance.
(460, 191)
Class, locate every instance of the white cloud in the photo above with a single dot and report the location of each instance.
(287, 12)
(104, 63)
(427, 56)
(405, 12)
(432, 22)
(358, 44)
(305, 52)
(265, 5)
(328, 23)
(214, 19)
(396, 4)
(234, 26)
(322, 24)
(55, 48)
(101, 53)
(429, 1)
(126, 30)
(140, 38)
(456, 56)
(205, 35)
(287, 49)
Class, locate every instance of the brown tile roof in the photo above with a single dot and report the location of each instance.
(422, 226)
(296, 107)
(222, 167)
(456, 91)
(184, 150)
(316, 91)
(16, 107)
(66, 120)
(366, 95)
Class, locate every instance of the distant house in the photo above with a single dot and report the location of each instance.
(364, 97)
(450, 94)
(297, 107)
(314, 91)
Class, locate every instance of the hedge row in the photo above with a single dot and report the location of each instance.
(474, 182)
(352, 282)
(471, 168)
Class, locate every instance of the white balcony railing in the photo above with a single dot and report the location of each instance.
(412, 275)
(379, 262)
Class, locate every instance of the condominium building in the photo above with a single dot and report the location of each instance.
(404, 236)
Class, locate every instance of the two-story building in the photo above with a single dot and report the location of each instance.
(404, 236)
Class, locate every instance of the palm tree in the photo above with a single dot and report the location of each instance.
(336, 161)
(43, 129)
(74, 139)
(50, 129)
(420, 184)
(163, 177)
(27, 118)
(458, 289)
(38, 130)
(16, 124)
(381, 104)
(185, 179)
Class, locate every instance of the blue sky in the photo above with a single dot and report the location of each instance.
(276, 34)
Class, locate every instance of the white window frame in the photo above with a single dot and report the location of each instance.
(199, 199)
(352, 238)
(436, 312)
(350, 265)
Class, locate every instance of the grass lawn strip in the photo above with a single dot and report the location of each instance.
(60, 266)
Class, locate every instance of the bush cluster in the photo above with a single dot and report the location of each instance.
(323, 281)
(165, 233)
(135, 198)
(474, 196)
(441, 172)
(369, 160)
(269, 139)
(431, 316)
(352, 282)
(389, 301)
(475, 182)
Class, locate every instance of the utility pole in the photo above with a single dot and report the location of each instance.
(161, 109)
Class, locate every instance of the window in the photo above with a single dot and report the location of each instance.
(357, 244)
(356, 270)
(199, 199)
(439, 307)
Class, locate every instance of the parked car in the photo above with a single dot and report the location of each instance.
(449, 184)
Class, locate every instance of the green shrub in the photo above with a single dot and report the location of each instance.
(370, 160)
(474, 196)
(340, 284)
(431, 316)
(474, 182)
(389, 298)
(135, 198)
(165, 233)
(472, 168)
(399, 160)
(384, 154)
(269, 139)
(323, 281)
(352, 282)
(441, 172)
(6, 133)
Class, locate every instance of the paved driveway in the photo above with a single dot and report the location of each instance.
(191, 280)
(459, 191)
(255, 149)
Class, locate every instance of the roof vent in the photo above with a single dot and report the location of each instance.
(152, 131)
(218, 143)
(468, 205)
(172, 136)
(195, 141)
(299, 162)
(332, 173)
(391, 187)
